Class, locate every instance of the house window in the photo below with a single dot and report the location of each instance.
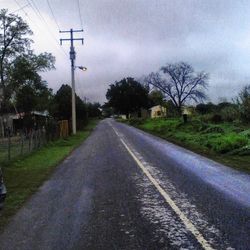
(158, 113)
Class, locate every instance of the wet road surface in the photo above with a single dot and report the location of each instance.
(125, 189)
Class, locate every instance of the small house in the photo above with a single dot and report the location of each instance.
(158, 111)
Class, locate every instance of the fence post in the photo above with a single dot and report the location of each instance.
(22, 143)
(38, 138)
(9, 145)
(30, 134)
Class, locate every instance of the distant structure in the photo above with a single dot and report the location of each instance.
(158, 111)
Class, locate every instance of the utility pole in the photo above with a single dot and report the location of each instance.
(72, 56)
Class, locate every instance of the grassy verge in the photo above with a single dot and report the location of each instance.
(24, 176)
(227, 143)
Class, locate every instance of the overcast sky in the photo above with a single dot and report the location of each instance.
(135, 37)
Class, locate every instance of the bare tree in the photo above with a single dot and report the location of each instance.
(179, 83)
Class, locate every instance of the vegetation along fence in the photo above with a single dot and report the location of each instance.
(22, 143)
(18, 145)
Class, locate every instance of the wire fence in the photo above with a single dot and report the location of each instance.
(25, 141)
(22, 144)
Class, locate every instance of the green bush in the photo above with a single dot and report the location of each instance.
(214, 129)
(244, 103)
(226, 143)
(216, 118)
(136, 121)
(241, 151)
(230, 114)
(246, 133)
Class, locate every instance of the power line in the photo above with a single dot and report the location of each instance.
(38, 13)
(79, 12)
(21, 7)
(51, 10)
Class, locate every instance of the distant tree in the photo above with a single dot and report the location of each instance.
(230, 113)
(156, 97)
(223, 105)
(14, 40)
(179, 83)
(62, 103)
(206, 108)
(127, 96)
(94, 109)
(172, 110)
(107, 111)
(243, 101)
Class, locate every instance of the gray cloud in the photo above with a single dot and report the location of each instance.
(134, 37)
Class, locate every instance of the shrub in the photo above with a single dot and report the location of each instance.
(214, 129)
(136, 121)
(246, 133)
(227, 143)
(243, 101)
(203, 126)
(230, 113)
(241, 151)
(205, 108)
(216, 118)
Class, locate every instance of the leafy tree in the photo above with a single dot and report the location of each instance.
(206, 108)
(156, 97)
(25, 69)
(179, 83)
(223, 105)
(172, 110)
(94, 109)
(127, 96)
(26, 99)
(24, 76)
(14, 40)
(107, 111)
(20, 67)
(62, 103)
(61, 107)
(243, 101)
(230, 113)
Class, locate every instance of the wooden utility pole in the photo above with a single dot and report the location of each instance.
(72, 55)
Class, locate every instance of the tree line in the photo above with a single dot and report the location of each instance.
(174, 86)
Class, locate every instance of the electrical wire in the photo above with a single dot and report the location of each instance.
(21, 8)
(79, 12)
(53, 15)
(38, 13)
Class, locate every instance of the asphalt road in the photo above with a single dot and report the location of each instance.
(126, 189)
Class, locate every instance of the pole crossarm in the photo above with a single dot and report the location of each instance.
(68, 31)
(68, 39)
